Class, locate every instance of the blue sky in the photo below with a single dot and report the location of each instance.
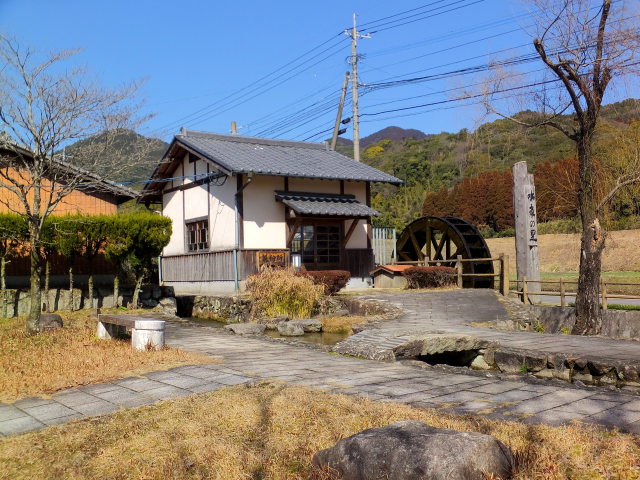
(194, 54)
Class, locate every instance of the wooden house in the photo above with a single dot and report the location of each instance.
(93, 196)
(240, 202)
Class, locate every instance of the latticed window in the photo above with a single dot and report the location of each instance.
(197, 235)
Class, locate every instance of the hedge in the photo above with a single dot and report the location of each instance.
(331, 280)
(430, 277)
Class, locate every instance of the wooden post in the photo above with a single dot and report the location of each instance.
(525, 296)
(459, 270)
(504, 274)
(563, 300)
(603, 289)
(336, 126)
(525, 213)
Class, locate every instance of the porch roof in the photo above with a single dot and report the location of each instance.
(325, 204)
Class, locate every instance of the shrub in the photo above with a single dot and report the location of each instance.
(283, 292)
(331, 280)
(430, 277)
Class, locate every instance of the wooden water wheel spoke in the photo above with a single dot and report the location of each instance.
(435, 235)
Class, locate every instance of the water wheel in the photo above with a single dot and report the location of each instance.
(444, 239)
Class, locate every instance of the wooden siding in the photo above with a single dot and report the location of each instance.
(59, 265)
(218, 266)
(76, 202)
(211, 266)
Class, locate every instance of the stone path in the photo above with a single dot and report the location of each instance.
(453, 311)
(249, 359)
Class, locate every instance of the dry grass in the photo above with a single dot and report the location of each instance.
(282, 292)
(560, 255)
(70, 356)
(561, 252)
(272, 431)
(342, 324)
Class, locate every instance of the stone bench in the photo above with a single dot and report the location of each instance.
(145, 332)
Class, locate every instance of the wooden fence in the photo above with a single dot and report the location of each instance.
(213, 266)
(502, 269)
(218, 266)
(525, 291)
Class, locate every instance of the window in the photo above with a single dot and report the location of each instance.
(318, 245)
(197, 235)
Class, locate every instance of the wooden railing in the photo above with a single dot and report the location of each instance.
(218, 266)
(502, 274)
(525, 292)
(212, 266)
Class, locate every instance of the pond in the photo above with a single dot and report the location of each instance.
(322, 338)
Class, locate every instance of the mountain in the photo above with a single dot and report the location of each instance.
(389, 133)
(141, 153)
(395, 134)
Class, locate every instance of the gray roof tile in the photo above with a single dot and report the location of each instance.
(238, 154)
(304, 203)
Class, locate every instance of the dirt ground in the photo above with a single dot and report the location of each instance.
(561, 252)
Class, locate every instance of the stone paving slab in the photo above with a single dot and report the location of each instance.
(253, 359)
(457, 312)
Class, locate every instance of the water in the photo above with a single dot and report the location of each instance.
(322, 338)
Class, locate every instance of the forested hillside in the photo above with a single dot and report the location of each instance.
(441, 161)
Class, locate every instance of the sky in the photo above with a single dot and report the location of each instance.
(276, 68)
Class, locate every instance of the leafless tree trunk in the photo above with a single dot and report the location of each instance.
(47, 105)
(585, 45)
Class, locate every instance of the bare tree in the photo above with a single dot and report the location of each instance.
(584, 45)
(47, 104)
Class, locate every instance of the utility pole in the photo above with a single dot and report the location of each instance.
(354, 34)
(336, 126)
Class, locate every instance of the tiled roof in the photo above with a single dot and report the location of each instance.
(304, 203)
(239, 154)
(392, 268)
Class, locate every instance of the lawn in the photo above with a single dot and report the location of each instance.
(271, 431)
(70, 356)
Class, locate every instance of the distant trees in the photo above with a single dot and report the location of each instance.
(486, 199)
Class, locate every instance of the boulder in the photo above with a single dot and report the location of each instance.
(509, 361)
(310, 325)
(272, 322)
(50, 321)
(290, 329)
(434, 343)
(168, 306)
(246, 328)
(413, 450)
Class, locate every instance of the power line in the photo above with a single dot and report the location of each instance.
(425, 17)
(257, 81)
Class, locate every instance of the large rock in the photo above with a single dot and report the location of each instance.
(167, 306)
(290, 329)
(246, 328)
(272, 322)
(435, 343)
(309, 325)
(50, 321)
(412, 450)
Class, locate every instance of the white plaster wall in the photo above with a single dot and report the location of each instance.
(172, 208)
(313, 185)
(222, 216)
(215, 201)
(263, 219)
(359, 237)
